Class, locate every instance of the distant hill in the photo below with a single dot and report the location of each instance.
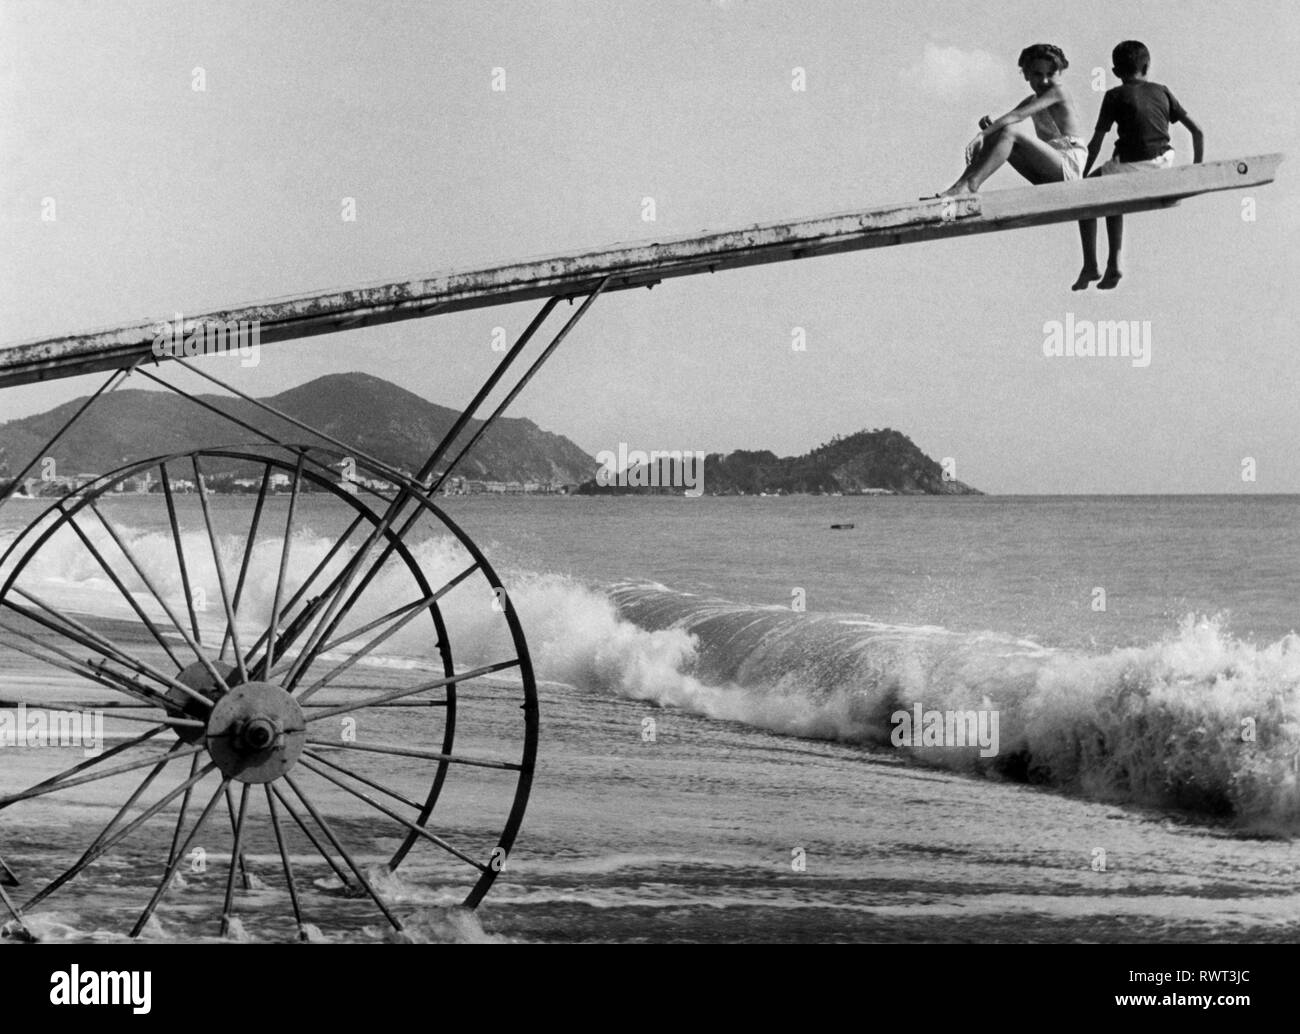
(374, 416)
(868, 461)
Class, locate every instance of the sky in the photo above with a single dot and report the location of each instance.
(170, 198)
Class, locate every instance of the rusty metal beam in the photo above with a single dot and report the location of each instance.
(645, 263)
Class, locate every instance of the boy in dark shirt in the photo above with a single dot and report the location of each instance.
(1142, 112)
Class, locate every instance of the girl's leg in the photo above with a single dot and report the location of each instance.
(994, 150)
(1035, 160)
(1018, 144)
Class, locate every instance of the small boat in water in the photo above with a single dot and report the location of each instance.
(841, 527)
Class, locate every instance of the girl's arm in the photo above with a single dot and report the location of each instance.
(1025, 108)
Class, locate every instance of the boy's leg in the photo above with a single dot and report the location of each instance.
(1090, 272)
(1115, 243)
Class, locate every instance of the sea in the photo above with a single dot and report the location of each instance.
(741, 730)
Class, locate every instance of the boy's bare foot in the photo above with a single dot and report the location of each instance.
(1086, 276)
(1110, 280)
(958, 190)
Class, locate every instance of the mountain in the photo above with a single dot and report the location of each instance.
(370, 414)
(868, 461)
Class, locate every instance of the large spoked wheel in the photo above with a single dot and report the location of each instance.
(254, 690)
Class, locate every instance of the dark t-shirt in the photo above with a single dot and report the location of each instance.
(1142, 111)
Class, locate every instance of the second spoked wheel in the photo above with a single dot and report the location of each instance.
(304, 706)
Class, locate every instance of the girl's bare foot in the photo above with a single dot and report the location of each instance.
(1110, 280)
(958, 189)
(1086, 276)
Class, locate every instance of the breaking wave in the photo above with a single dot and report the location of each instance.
(1197, 720)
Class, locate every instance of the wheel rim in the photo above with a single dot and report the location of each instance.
(180, 647)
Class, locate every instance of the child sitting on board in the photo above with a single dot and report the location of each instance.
(1141, 111)
(1051, 152)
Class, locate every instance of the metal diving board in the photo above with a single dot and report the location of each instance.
(645, 263)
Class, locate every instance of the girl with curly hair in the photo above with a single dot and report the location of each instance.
(1052, 151)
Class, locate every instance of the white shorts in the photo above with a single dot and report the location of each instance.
(1165, 161)
(1074, 156)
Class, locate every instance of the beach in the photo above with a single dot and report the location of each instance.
(715, 766)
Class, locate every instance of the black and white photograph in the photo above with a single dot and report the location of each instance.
(649, 472)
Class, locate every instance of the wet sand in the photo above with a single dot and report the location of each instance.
(695, 835)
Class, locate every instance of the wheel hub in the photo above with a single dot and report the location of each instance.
(256, 732)
(198, 678)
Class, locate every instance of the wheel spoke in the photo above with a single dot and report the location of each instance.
(185, 807)
(380, 707)
(397, 694)
(329, 835)
(302, 590)
(234, 829)
(334, 593)
(93, 639)
(221, 570)
(432, 838)
(343, 876)
(92, 707)
(126, 593)
(284, 568)
(362, 779)
(249, 544)
(331, 598)
(169, 757)
(81, 766)
(102, 676)
(41, 790)
(180, 551)
(418, 606)
(426, 755)
(140, 573)
(13, 909)
(284, 858)
(148, 780)
(173, 863)
(120, 835)
(83, 705)
(236, 856)
(413, 610)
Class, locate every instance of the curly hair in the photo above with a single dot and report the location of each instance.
(1044, 52)
(1131, 58)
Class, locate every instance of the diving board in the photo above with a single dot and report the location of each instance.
(645, 263)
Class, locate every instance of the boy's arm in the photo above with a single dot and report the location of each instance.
(1198, 138)
(1105, 119)
(1094, 149)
